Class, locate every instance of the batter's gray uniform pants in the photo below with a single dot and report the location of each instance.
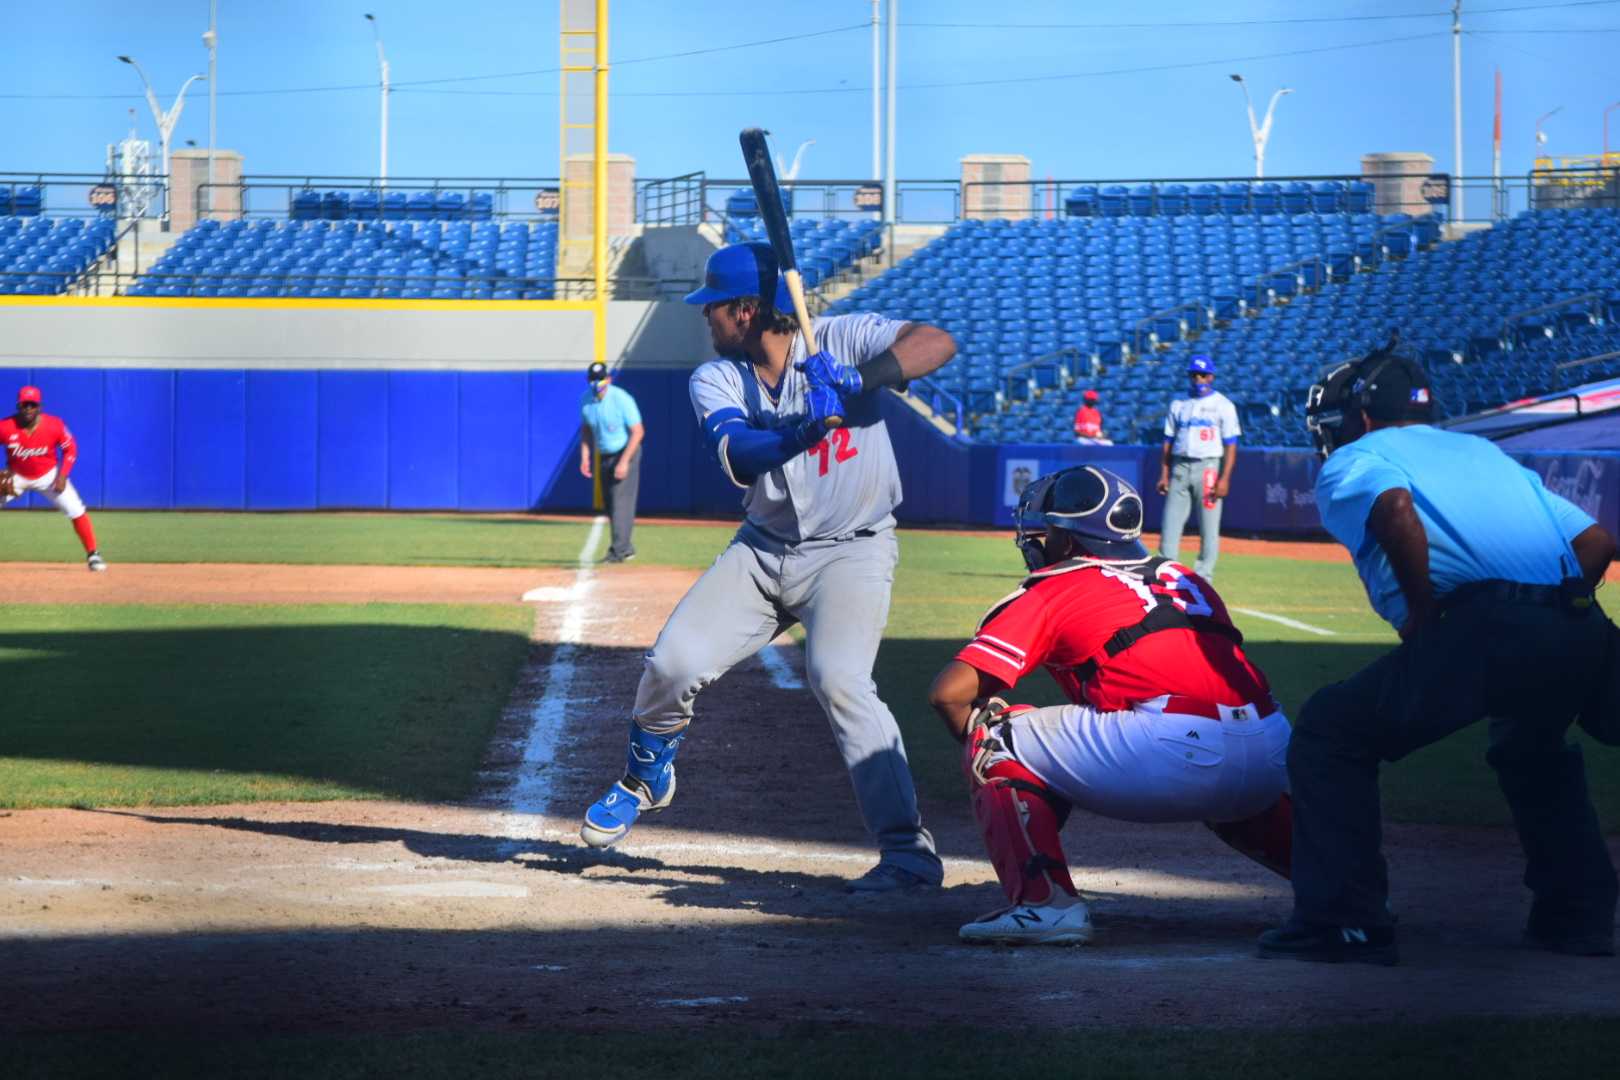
(1186, 491)
(839, 591)
(619, 500)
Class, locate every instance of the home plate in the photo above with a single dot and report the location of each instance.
(452, 888)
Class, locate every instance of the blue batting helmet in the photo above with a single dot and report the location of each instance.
(1201, 364)
(1097, 507)
(743, 270)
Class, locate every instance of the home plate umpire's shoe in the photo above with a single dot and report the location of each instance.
(1027, 924)
(648, 784)
(1329, 944)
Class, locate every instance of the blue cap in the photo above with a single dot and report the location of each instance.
(743, 270)
(1201, 364)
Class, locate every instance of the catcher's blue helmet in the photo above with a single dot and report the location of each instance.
(743, 270)
(1098, 508)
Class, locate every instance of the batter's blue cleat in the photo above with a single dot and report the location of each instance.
(648, 784)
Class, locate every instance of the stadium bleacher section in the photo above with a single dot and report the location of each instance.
(1272, 296)
(457, 260)
(41, 256)
(822, 248)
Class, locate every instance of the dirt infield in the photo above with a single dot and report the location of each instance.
(724, 910)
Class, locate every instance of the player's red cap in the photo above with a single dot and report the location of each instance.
(28, 393)
(1091, 395)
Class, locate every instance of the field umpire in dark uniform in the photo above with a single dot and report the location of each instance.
(1489, 579)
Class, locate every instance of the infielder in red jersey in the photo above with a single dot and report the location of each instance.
(1170, 721)
(32, 439)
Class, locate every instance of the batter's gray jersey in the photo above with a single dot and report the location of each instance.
(847, 483)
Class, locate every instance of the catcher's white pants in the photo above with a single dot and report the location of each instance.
(68, 501)
(1148, 765)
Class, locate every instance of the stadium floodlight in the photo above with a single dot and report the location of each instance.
(1606, 113)
(1541, 136)
(382, 64)
(165, 120)
(1261, 132)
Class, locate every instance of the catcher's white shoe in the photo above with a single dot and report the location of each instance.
(95, 561)
(1025, 924)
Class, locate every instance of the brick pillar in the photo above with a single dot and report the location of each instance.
(996, 186)
(1398, 179)
(189, 170)
(576, 224)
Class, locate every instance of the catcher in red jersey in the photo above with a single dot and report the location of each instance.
(1170, 721)
(32, 440)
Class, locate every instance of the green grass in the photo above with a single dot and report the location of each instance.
(347, 539)
(190, 704)
(945, 583)
(1551, 1048)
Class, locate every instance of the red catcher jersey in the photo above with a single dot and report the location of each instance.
(32, 454)
(1088, 422)
(1064, 616)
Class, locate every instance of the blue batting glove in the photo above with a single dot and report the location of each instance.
(826, 369)
(822, 402)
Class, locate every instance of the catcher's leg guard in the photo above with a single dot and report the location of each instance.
(1267, 837)
(1019, 818)
(648, 784)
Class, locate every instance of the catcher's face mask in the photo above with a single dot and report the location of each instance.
(1099, 510)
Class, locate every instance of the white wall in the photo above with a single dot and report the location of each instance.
(133, 335)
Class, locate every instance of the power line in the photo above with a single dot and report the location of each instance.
(457, 79)
(1249, 22)
(756, 92)
(1548, 59)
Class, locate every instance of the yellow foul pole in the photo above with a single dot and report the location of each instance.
(599, 201)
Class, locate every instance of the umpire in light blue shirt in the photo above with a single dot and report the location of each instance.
(611, 425)
(1489, 579)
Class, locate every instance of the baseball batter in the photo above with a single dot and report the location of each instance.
(1169, 722)
(817, 546)
(33, 440)
(1200, 451)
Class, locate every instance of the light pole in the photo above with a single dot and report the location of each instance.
(1263, 132)
(165, 120)
(1541, 136)
(382, 63)
(1606, 113)
(211, 39)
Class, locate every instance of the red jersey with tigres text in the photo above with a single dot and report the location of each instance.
(32, 454)
(1064, 616)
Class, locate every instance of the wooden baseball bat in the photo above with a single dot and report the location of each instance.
(768, 196)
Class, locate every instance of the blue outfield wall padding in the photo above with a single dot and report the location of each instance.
(75, 395)
(352, 419)
(210, 440)
(493, 471)
(424, 440)
(281, 440)
(139, 468)
(1588, 478)
(555, 482)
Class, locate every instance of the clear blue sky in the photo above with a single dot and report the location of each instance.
(1043, 90)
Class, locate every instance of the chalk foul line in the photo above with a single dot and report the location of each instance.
(1285, 621)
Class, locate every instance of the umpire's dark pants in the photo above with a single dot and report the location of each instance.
(619, 500)
(1528, 665)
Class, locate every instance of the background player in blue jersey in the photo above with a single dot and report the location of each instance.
(817, 546)
(1200, 451)
(1488, 576)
